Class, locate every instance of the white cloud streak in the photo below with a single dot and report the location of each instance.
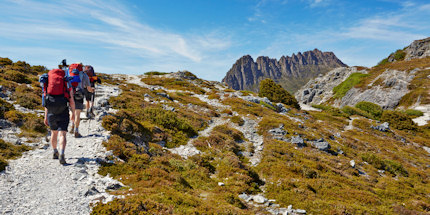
(100, 22)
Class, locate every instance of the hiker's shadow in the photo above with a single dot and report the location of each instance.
(93, 135)
(85, 161)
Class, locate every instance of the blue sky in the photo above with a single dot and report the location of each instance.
(204, 36)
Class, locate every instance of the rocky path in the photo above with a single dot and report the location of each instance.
(350, 126)
(37, 184)
(189, 149)
(423, 120)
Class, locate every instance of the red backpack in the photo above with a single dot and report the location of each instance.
(55, 92)
(56, 84)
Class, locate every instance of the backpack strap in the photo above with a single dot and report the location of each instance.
(81, 76)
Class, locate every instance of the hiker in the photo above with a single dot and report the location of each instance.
(89, 96)
(57, 97)
(79, 82)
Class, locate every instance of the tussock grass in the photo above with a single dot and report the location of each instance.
(172, 83)
(340, 90)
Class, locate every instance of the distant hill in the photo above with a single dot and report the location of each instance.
(290, 72)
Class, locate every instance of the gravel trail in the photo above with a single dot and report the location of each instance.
(37, 184)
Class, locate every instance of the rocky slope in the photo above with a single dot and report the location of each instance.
(291, 72)
(399, 80)
(183, 145)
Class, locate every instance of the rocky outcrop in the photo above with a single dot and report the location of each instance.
(418, 49)
(290, 72)
(320, 89)
(387, 94)
(386, 90)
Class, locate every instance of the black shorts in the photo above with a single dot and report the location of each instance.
(59, 122)
(79, 104)
(88, 95)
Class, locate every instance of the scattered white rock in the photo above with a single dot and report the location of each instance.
(259, 199)
(427, 149)
(352, 163)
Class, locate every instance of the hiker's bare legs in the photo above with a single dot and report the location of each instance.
(63, 141)
(77, 118)
(54, 135)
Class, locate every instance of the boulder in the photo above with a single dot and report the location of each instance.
(4, 124)
(281, 108)
(103, 102)
(278, 131)
(384, 127)
(298, 141)
(259, 199)
(321, 144)
(92, 191)
(165, 95)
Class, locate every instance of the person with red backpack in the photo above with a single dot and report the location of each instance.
(79, 81)
(89, 96)
(57, 98)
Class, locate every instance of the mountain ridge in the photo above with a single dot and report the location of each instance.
(289, 71)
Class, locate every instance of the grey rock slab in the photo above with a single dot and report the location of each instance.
(382, 127)
(321, 144)
(245, 197)
(298, 141)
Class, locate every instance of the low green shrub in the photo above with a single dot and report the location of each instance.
(155, 73)
(414, 113)
(340, 90)
(382, 62)
(5, 107)
(267, 105)
(16, 76)
(275, 93)
(28, 97)
(10, 151)
(398, 120)
(373, 109)
(355, 111)
(399, 55)
(5, 61)
(390, 166)
(331, 110)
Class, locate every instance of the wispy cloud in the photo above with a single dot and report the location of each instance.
(106, 23)
(395, 29)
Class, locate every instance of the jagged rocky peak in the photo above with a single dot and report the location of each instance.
(289, 71)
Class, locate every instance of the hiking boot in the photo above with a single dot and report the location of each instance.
(77, 135)
(73, 129)
(55, 155)
(62, 159)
